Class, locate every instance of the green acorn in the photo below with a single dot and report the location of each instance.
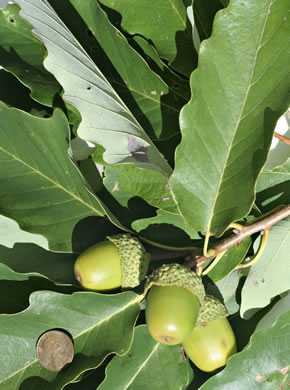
(212, 341)
(173, 302)
(120, 261)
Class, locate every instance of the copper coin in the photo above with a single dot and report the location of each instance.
(54, 350)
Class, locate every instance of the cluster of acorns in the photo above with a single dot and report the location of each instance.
(177, 309)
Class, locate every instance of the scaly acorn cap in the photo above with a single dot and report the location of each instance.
(176, 275)
(134, 259)
(212, 309)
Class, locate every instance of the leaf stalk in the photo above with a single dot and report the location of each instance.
(196, 258)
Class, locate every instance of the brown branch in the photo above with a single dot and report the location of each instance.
(196, 258)
(282, 138)
(260, 225)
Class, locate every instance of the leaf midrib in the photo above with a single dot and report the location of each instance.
(239, 118)
(162, 164)
(56, 184)
(181, 19)
(142, 366)
(89, 329)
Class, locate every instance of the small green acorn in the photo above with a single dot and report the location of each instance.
(173, 302)
(212, 341)
(120, 261)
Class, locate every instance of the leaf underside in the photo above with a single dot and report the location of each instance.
(273, 187)
(270, 276)
(155, 106)
(105, 118)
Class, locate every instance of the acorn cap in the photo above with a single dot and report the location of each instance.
(177, 275)
(212, 309)
(134, 259)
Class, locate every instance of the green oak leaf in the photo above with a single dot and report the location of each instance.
(165, 23)
(10, 233)
(16, 288)
(233, 256)
(106, 120)
(99, 325)
(164, 217)
(156, 190)
(238, 92)
(262, 365)
(125, 181)
(270, 276)
(28, 257)
(227, 287)
(280, 307)
(273, 187)
(155, 106)
(90, 380)
(22, 54)
(145, 362)
(40, 187)
(179, 85)
(204, 13)
(14, 93)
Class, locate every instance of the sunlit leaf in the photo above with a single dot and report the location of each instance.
(238, 92)
(99, 325)
(147, 361)
(155, 106)
(40, 187)
(165, 23)
(105, 118)
(270, 276)
(10, 233)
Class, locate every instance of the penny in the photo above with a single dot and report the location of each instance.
(54, 350)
